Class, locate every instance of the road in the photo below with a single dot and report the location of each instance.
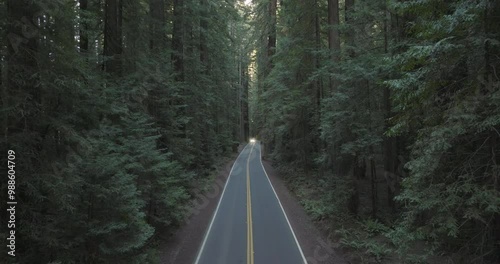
(249, 224)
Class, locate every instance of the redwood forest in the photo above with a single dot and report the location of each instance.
(380, 117)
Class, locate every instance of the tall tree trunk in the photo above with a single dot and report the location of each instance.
(318, 143)
(373, 178)
(243, 95)
(491, 29)
(373, 170)
(334, 47)
(157, 42)
(333, 36)
(244, 102)
(496, 184)
(358, 171)
(84, 40)
(317, 26)
(178, 40)
(203, 35)
(349, 9)
(390, 143)
(271, 40)
(113, 37)
(390, 154)
(358, 164)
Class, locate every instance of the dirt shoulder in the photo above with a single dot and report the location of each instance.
(182, 247)
(315, 245)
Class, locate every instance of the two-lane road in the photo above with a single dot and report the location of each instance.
(249, 224)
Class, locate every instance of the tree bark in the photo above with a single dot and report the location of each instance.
(84, 40)
(373, 178)
(203, 36)
(271, 40)
(353, 203)
(113, 48)
(244, 104)
(317, 26)
(349, 8)
(333, 36)
(391, 162)
(158, 41)
(177, 40)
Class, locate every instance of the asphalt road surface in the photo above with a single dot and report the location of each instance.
(249, 224)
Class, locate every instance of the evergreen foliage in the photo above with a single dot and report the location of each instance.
(109, 140)
(386, 112)
(408, 102)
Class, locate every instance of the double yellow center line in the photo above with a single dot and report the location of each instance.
(249, 213)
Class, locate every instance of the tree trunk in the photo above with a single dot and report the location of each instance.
(358, 170)
(349, 8)
(271, 43)
(317, 26)
(113, 37)
(158, 40)
(84, 40)
(333, 36)
(203, 36)
(373, 173)
(177, 40)
(496, 184)
(490, 29)
(390, 154)
(390, 143)
(246, 121)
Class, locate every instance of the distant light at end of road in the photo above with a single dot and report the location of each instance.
(252, 140)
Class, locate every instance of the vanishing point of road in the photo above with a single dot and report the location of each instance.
(249, 224)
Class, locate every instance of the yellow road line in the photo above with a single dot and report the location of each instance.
(249, 213)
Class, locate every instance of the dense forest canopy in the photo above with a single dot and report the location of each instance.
(115, 108)
(386, 112)
(390, 110)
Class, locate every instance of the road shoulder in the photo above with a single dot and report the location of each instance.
(317, 248)
(183, 245)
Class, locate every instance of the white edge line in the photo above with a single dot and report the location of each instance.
(217, 209)
(282, 209)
